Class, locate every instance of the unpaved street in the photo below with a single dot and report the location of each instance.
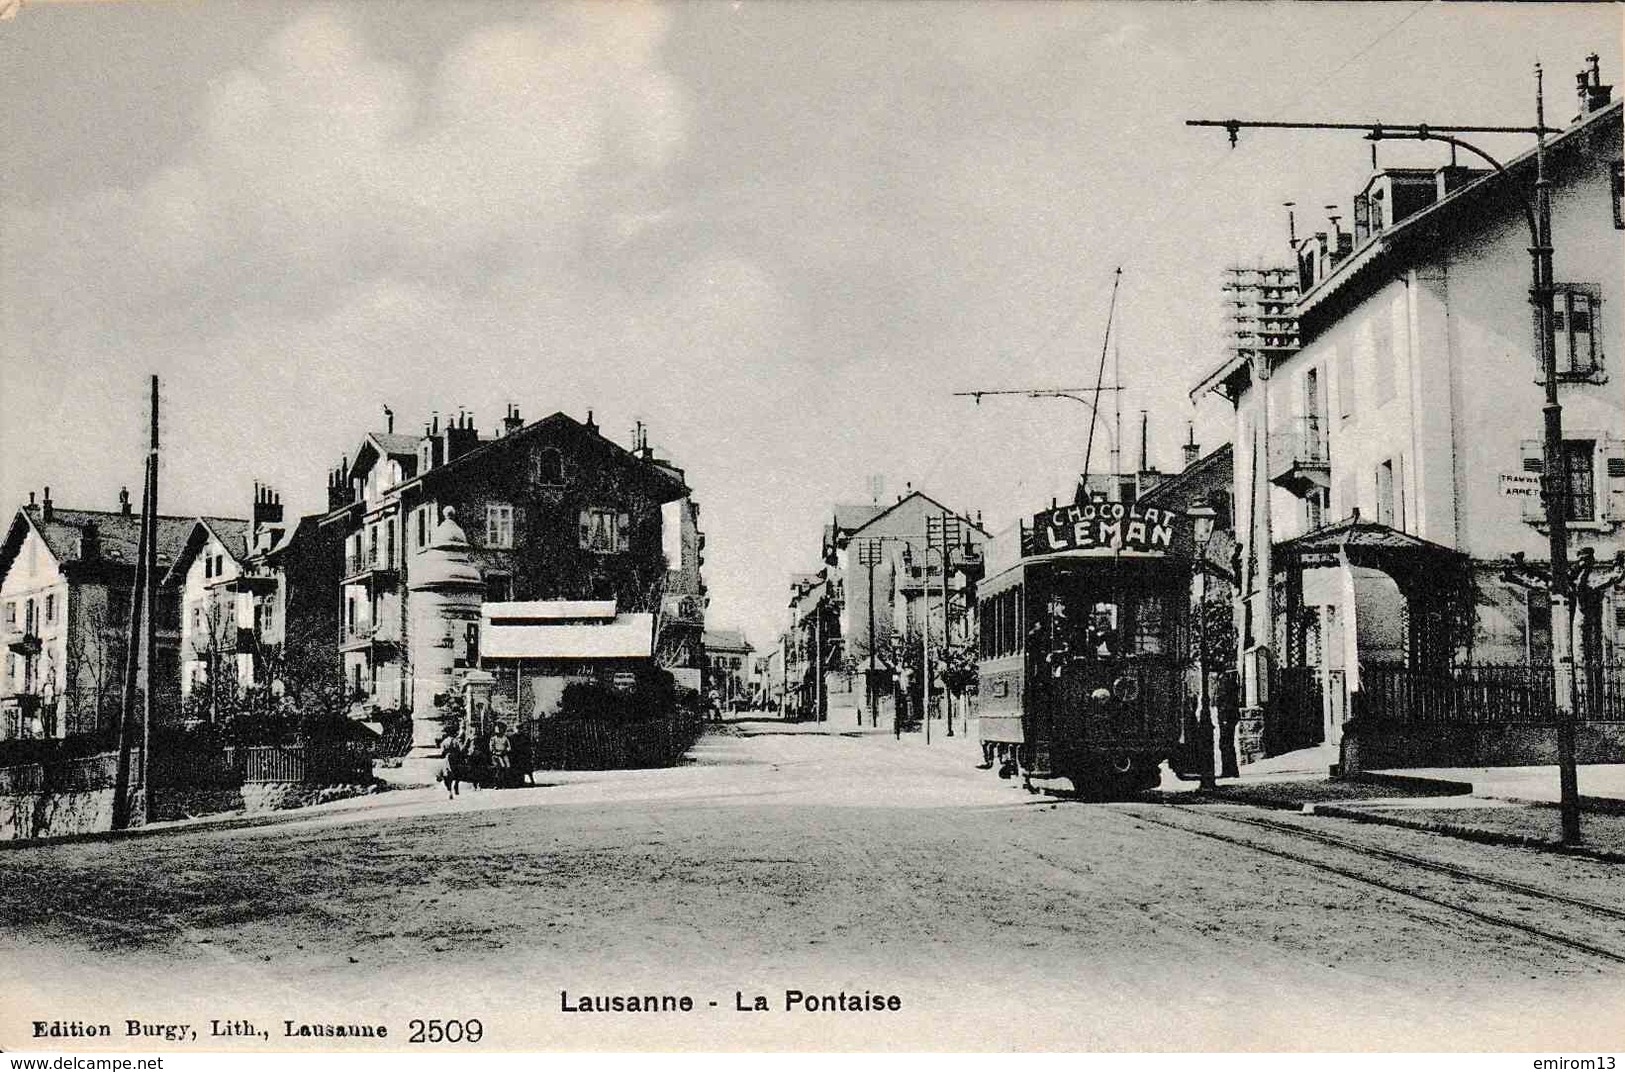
(780, 859)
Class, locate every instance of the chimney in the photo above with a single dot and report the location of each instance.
(389, 420)
(32, 506)
(90, 544)
(267, 506)
(124, 501)
(1593, 94)
(434, 425)
(1291, 224)
(592, 425)
(1190, 450)
(512, 422)
(459, 438)
(1145, 422)
(45, 505)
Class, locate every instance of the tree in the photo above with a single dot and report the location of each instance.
(94, 662)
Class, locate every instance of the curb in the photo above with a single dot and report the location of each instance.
(1442, 787)
(1471, 833)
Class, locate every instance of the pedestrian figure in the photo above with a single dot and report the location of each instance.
(476, 758)
(523, 757)
(451, 764)
(713, 701)
(501, 756)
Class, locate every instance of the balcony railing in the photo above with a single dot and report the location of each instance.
(1299, 458)
(373, 567)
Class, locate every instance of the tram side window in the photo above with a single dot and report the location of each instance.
(1149, 632)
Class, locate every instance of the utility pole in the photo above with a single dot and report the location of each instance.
(150, 553)
(1555, 478)
(869, 556)
(925, 631)
(132, 640)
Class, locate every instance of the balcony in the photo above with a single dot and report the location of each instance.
(24, 644)
(1299, 459)
(371, 570)
(371, 636)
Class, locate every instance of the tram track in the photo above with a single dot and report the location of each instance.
(1591, 912)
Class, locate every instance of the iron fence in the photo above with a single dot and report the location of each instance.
(1478, 695)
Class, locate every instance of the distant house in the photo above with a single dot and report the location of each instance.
(551, 510)
(534, 649)
(256, 597)
(66, 578)
(728, 664)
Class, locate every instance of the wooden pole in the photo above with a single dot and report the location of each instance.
(149, 552)
(132, 639)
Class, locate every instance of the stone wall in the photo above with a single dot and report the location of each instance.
(46, 815)
(1383, 746)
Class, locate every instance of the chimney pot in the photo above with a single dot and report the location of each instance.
(124, 501)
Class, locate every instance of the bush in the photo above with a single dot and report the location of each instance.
(653, 695)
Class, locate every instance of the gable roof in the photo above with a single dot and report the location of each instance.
(117, 536)
(230, 532)
(910, 497)
(662, 471)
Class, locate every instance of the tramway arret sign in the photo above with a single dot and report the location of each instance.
(1107, 526)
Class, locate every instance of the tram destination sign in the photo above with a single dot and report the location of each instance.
(1111, 526)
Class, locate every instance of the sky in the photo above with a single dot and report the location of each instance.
(781, 234)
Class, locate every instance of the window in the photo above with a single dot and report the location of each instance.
(1345, 382)
(32, 619)
(1574, 337)
(498, 588)
(372, 545)
(605, 530)
(1579, 469)
(11, 615)
(1619, 195)
(1385, 493)
(498, 525)
(389, 543)
(550, 467)
(50, 608)
(423, 527)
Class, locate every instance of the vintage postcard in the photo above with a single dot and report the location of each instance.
(745, 525)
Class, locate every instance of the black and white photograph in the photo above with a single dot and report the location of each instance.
(807, 526)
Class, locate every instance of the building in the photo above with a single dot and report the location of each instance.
(551, 511)
(66, 577)
(1380, 466)
(728, 666)
(257, 604)
(897, 552)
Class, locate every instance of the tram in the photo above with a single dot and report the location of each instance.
(1081, 662)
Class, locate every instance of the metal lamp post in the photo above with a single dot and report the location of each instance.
(1203, 518)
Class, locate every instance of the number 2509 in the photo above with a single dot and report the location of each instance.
(446, 1031)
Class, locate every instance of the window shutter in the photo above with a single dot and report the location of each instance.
(1613, 491)
(1534, 461)
(623, 531)
(586, 529)
(518, 525)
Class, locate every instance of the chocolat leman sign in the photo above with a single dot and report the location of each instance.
(1111, 526)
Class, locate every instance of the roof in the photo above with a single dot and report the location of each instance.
(1399, 238)
(117, 535)
(626, 636)
(230, 532)
(1175, 489)
(1416, 231)
(661, 469)
(920, 495)
(1352, 534)
(552, 610)
(725, 640)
